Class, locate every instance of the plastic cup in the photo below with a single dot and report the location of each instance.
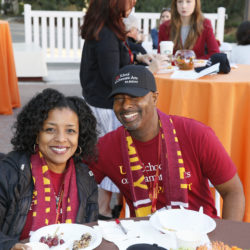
(166, 47)
(188, 239)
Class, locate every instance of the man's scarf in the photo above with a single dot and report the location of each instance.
(44, 200)
(174, 183)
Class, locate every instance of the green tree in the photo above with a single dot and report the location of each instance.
(55, 4)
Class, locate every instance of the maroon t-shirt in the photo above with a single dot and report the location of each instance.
(204, 159)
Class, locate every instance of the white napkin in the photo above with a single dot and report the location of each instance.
(111, 231)
(138, 232)
(191, 74)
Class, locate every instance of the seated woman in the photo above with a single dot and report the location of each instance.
(188, 29)
(43, 181)
(134, 37)
(241, 52)
(164, 16)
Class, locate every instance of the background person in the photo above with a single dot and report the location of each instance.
(134, 36)
(241, 52)
(105, 51)
(188, 29)
(53, 135)
(164, 16)
(160, 160)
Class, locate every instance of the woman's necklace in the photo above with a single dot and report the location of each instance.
(58, 196)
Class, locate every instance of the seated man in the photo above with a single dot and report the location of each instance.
(160, 160)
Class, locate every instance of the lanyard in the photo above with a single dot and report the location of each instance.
(58, 206)
(153, 188)
(153, 192)
(131, 56)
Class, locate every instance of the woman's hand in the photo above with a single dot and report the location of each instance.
(157, 62)
(144, 58)
(20, 246)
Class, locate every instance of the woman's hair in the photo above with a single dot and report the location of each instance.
(196, 26)
(164, 10)
(243, 33)
(104, 12)
(31, 119)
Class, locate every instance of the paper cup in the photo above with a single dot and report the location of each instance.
(166, 47)
(37, 245)
(188, 239)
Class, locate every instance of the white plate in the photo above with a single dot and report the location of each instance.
(200, 63)
(70, 232)
(182, 219)
(166, 70)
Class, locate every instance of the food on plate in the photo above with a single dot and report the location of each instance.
(169, 229)
(83, 242)
(52, 241)
(184, 59)
(169, 67)
(217, 245)
(200, 63)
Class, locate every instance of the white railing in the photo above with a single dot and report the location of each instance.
(58, 32)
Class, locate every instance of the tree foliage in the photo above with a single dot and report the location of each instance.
(55, 4)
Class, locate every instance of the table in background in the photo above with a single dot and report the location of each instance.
(9, 92)
(221, 101)
(232, 233)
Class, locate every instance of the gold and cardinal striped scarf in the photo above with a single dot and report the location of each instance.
(44, 201)
(174, 183)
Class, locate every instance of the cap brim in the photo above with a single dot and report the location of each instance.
(129, 91)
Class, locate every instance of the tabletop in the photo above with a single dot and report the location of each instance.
(9, 92)
(232, 233)
(221, 101)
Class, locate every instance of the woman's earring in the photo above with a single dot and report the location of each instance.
(35, 148)
(80, 151)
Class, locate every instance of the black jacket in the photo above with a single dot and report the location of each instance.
(100, 61)
(16, 188)
(135, 47)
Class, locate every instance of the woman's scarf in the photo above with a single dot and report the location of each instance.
(45, 211)
(174, 183)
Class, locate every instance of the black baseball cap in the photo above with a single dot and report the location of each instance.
(144, 246)
(135, 80)
(217, 58)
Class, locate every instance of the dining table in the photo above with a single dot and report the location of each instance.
(232, 233)
(222, 102)
(9, 92)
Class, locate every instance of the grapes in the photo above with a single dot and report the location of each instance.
(62, 241)
(52, 241)
(43, 239)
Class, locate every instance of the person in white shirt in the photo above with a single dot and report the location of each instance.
(241, 52)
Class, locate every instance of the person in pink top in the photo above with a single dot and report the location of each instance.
(188, 29)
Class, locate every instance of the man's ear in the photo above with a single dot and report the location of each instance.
(155, 96)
